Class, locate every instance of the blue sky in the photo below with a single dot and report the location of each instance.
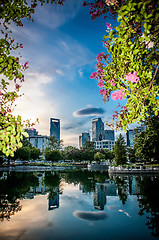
(61, 47)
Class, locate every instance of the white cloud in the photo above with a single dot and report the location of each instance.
(60, 72)
(80, 73)
(54, 16)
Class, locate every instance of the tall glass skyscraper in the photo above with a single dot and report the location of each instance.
(97, 129)
(108, 135)
(85, 137)
(55, 127)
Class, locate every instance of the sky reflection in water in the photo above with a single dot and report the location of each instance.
(78, 205)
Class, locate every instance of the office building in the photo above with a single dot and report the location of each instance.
(31, 132)
(80, 141)
(97, 129)
(104, 144)
(108, 135)
(99, 198)
(39, 141)
(55, 127)
(85, 137)
(130, 135)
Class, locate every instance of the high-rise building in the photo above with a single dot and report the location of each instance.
(31, 132)
(108, 135)
(130, 135)
(55, 127)
(97, 129)
(80, 141)
(130, 138)
(85, 137)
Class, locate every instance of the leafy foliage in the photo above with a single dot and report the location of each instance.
(52, 155)
(120, 151)
(129, 69)
(11, 70)
(99, 156)
(146, 143)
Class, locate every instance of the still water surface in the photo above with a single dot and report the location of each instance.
(78, 205)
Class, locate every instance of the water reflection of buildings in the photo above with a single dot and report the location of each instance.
(102, 190)
(42, 189)
(117, 186)
(53, 199)
(99, 196)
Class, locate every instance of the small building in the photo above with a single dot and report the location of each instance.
(105, 144)
(39, 141)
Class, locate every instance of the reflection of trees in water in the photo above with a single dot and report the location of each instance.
(8, 208)
(122, 185)
(85, 178)
(148, 199)
(14, 186)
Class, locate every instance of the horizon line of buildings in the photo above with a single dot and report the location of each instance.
(102, 138)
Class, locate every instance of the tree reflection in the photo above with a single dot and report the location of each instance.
(122, 185)
(148, 198)
(85, 178)
(14, 186)
(8, 208)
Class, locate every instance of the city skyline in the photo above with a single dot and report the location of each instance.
(61, 46)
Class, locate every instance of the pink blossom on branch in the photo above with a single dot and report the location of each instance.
(117, 95)
(93, 75)
(108, 25)
(112, 82)
(25, 66)
(132, 77)
(101, 83)
(100, 56)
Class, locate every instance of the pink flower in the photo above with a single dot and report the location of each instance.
(132, 77)
(108, 25)
(102, 91)
(93, 75)
(101, 83)
(17, 86)
(25, 65)
(99, 56)
(112, 82)
(84, 4)
(117, 95)
(125, 107)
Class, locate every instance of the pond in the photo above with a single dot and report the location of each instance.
(78, 204)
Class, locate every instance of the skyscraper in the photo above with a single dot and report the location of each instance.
(108, 135)
(80, 141)
(85, 137)
(55, 127)
(97, 129)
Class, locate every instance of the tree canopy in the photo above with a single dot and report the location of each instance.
(128, 68)
(11, 70)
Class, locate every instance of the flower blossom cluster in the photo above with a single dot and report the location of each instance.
(117, 95)
(115, 115)
(25, 66)
(132, 77)
(108, 25)
(112, 82)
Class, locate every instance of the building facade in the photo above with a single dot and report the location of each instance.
(31, 132)
(97, 129)
(55, 127)
(80, 141)
(39, 141)
(130, 135)
(108, 135)
(104, 144)
(85, 137)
